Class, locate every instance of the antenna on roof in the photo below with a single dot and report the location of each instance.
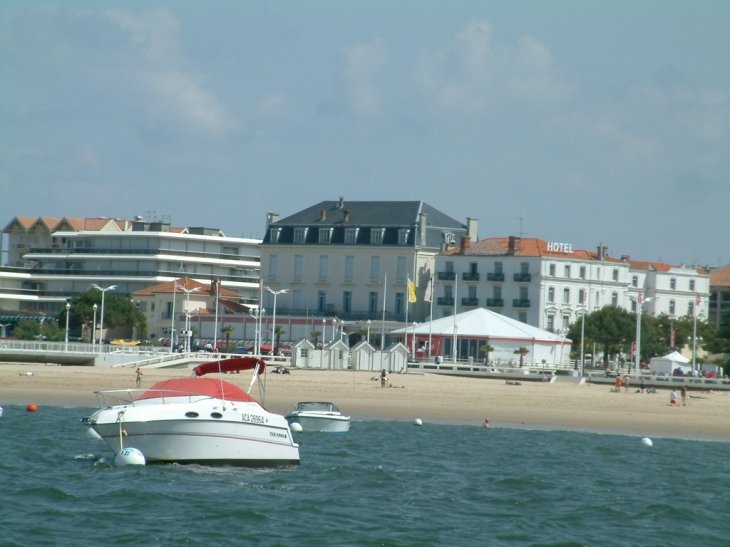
(521, 232)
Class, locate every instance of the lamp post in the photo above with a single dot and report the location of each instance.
(368, 331)
(93, 326)
(68, 312)
(103, 294)
(637, 359)
(324, 332)
(258, 316)
(694, 332)
(187, 315)
(273, 317)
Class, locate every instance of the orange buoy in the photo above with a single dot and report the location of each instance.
(31, 408)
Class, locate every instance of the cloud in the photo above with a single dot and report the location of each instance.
(362, 65)
(476, 71)
(157, 63)
(273, 106)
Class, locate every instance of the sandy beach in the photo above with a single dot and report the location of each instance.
(432, 398)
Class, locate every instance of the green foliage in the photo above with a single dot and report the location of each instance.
(278, 331)
(34, 330)
(119, 311)
(485, 350)
(315, 335)
(521, 351)
(718, 340)
(227, 331)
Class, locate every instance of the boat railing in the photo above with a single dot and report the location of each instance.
(129, 397)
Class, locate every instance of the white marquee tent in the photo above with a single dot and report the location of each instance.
(475, 328)
(669, 363)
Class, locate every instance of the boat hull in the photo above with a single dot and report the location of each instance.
(315, 422)
(241, 434)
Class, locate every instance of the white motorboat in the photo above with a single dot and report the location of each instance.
(318, 417)
(196, 420)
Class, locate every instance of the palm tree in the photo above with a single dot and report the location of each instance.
(364, 334)
(522, 351)
(486, 349)
(316, 334)
(278, 331)
(227, 331)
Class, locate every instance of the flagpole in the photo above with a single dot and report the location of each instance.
(456, 288)
(582, 333)
(382, 324)
(408, 297)
(172, 319)
(694, 332)
(215, 324)
(430, 322)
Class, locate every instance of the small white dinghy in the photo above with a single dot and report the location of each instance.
(319, 416)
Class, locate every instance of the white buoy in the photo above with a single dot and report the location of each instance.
(129, 456)
(647, 441)
(91, 434)
(1, 411)
(417, 421)
(296, 427)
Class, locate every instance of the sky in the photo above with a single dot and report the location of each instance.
(572, 121)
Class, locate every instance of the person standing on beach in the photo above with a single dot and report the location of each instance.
(617, 387)
(684, 395)
(673, 398)
(643, 384)
(138, 374)
(627, 381)
(383, 378)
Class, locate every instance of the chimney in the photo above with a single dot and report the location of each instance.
(465, 243)
(422, 225)
(271, 218)
(345, 216)
(471, 228)
(323, 215)
(625, 258)
(602, 251)
(513, 247)
(342, 202)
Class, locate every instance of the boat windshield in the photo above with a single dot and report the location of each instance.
(317, 407)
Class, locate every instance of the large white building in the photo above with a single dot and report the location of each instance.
(353, 260)
(48, 260)
(549, 285)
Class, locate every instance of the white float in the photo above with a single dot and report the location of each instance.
(91, 434)
(129, 456)
(296, 427)
(417, 421)
(1, 411)
(647, 441)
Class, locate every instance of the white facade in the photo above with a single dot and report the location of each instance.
(49, 260)
(549, 285)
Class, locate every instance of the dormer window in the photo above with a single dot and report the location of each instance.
(350, 236)
(274, 234)
(403, 236)
(300, 235)
(376, 236)
(325, 235)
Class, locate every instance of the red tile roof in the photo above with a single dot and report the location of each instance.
(187, 283)
(720, 277)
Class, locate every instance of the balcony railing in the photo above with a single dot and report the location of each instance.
(495, 303)
(523, 277)
(472, 302)
(521, 303)
(139, 252)
(494, 276)
(100, 274)
(446, 276)
(471, 276)
(445, 301)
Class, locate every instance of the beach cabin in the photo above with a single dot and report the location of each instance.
(362, 356)
(302, 353)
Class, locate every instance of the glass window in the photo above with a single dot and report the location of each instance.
(374, 268)
(566, 296)
(671, 307)
(551, 294)
(449, 267)
(373, 302)
(401, 273)
(403, 237)
(598, 298)
(552, 270)
(582, 272)
(635, 281)
(691, 308)
(691, 284)
(274, 234)
(300, 235)
(324, 262)
(614, 299)
(551, 323)
(497, 292)
(672, 283)
(376, 236)
(399, 302)
(273, 265)
(567, 271)
(472, 291)
(522, 317)
(350, 236)
(347, 301)
(581, 295)
(633, 306)
(615, 274)
(298, 266)
(498, 267)
(325, 234)
(349, 267)
(321, 301)
(525, 267)
(566, 322)
(523, 293)
(297, 300)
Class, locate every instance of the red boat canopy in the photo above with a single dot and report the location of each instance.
(210, 387)
(230, 365)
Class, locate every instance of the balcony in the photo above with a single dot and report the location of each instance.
(494, 276)
(495, 303)
(473, 276)
(471, 302)
(446, 276)
(523, 278)
(445, 301)
(521, 303)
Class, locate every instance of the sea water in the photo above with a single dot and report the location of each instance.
(385, 483)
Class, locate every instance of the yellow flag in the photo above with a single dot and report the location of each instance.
(411, 291)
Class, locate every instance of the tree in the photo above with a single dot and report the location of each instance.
(119, 311)
(364, 334)
(278, 331)
(227, 331)
(486, 349)
(28, 329)
(521, 351)
(315, 335)
(611, 328)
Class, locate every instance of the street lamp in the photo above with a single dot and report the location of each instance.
(187, 316)
(273, 317)
(368, 331)
(324, 332)
(258, 315)
(68, 312)
(637, 358)
(103, 294)
(93, 327)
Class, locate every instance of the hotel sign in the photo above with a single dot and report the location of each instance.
(559, 247)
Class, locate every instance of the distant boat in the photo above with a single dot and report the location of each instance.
(206, 421)
(319, 417)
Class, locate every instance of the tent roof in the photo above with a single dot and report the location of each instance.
(676, 357)
(484, 323)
